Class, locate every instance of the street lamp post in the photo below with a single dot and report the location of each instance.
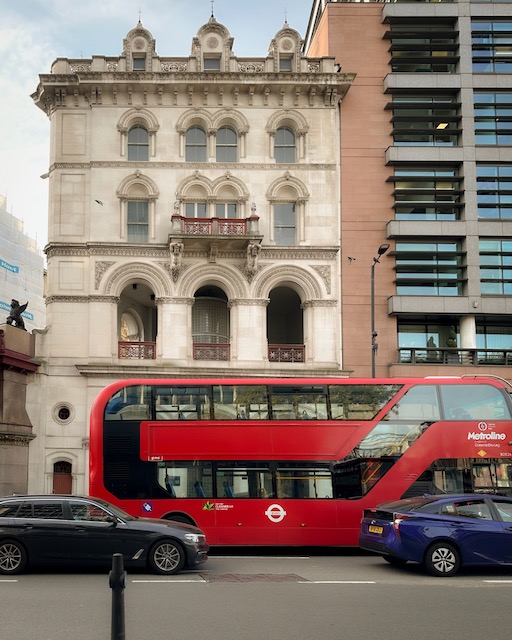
(381, 251)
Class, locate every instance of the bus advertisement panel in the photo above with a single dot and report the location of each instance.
(294, 461)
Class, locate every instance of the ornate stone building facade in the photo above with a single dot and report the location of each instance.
(194, 226)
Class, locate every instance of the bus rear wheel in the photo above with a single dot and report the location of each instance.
(166, 557)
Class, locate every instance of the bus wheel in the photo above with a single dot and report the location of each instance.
(442, 559)
(13, 557)
(166, 557)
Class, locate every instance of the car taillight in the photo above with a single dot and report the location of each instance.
(397, 520)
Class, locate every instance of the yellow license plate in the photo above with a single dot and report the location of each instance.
(374, 529)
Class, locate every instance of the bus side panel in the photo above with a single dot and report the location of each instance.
(246, 440)
(306, 522)
(164, 441)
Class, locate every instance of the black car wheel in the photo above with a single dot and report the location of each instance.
(13, 557)
(166, 557)
(396, 562)
(442, 559)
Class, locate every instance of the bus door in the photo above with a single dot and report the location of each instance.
(304, 512)
(244, 490)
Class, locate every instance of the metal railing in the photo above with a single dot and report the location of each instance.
(136, 350)
(447, 355)
(211, 351)
(239, 227)
(286, 353)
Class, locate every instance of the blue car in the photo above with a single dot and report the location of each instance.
(442, 533)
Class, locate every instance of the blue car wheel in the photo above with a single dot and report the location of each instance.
(442, 560)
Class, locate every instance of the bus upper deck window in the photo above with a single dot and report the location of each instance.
(474, 402)
(129, 403)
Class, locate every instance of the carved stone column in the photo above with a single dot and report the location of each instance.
(16, 353)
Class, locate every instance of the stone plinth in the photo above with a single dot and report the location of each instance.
(16, 354)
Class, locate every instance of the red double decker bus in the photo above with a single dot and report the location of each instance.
(295, 461)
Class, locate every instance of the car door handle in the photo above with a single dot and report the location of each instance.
(79, 528)
(27, 526)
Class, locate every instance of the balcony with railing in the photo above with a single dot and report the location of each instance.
(136, 350)
(211, 351)
(451, 356)
(293, 353)
(228, 233)
(286, 353)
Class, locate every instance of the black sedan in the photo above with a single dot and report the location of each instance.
(73, 530)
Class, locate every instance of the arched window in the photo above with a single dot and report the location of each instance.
(138, 143)
(227, 145)
(210, 316)
(285, 145)
(195, 144)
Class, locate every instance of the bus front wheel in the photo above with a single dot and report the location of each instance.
(166, 557)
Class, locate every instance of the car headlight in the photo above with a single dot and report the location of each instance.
(195, 537)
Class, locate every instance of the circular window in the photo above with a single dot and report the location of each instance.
(63, 413)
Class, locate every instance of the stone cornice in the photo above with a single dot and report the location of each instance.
(188, 166)
(308, 78)
(118, 371)
(82, 299)
(15, 439)
(161, 252)
(319, 303)
(249, 302)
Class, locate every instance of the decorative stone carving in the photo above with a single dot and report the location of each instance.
(325, 273)
(100, 268)
(176, 250)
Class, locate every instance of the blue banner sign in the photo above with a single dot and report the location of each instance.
(13, 268)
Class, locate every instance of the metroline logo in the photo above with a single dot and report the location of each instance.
(486, 436)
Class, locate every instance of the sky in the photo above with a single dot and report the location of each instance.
(33, 33)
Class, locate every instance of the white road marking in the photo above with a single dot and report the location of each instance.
(337, 582)
(169, 580)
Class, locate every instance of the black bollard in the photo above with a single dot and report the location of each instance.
(117, 582)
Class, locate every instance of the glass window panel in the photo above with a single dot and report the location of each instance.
(138, 144)
(284, 145)
(186, 479)
(284, 224)
(137, 221)
(303, 480)
(195, 145)
(359, 402)
(244, 480)
(182, 403)
(240, 402)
